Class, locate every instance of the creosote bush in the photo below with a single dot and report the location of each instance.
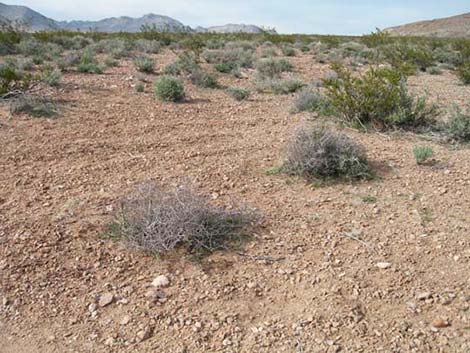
(88, 63)
(203, 79)
(379, 97)
(324, 153)
(272, 68)
(34, 106)
(169, 89)
(51, 76)
(159, 221)
(238, 94)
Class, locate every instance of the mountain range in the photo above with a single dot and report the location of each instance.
(33, 21)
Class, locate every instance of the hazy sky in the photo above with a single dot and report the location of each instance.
(295, 16)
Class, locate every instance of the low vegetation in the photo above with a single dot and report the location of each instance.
(239, 94)
(169, 89)
(34, 106)
(144, 64)
(324, 153)
(422, 154)
(159, 221)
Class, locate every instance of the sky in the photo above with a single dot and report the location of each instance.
(301, 16)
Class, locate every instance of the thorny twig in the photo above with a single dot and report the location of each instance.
(367, 245)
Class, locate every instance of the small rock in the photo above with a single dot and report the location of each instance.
(383, 265)
(5, 301)
(144, 334)
(106, 299)
(156, 294)
(161, 281)
(92, 307)
(109, 341)
(125, 320)
(424, 295)
(440, 323)
(227, 342)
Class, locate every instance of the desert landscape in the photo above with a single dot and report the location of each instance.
(224, 191)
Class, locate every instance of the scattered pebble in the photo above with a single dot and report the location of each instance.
(161, 281)
(106, 299)
(384, 265)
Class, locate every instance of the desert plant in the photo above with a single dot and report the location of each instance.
(13, 81)
(156, 220)
(320, 152)
(170, 89)
(26, 65)
(272, 68)
(268, 52)
(238, 94)
(422, 153)
(458, 125)
(111, 61)
(379, 97)
(148, 46)
(34, 106)
(51, 76)
(88, 63)
(434, 70)
(288, 50)
(225, 67)
(203, 79)
(309, 100)
(140, 87)
(172, 69)
(463, 71)
(144, 64)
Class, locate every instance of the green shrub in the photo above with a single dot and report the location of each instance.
(422, 153)
(319, 152)
(272, 68)
(408, 58)
(203, 79)
(288, 51)
(13, 80)
(26, 65)
(236, 57)
(238, 94)
(111, 62)
(268, 52)
(118, 48)
(88, 63)
(434, 70)
(34, 106)
(379, 97)
(458, 126)
(225, 67)
(144, 64)
(169, 89)
(51, 76)
(172, 69)
(463, 71)
(140, 88)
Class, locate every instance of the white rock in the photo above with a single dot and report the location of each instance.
(161, 281)
(106, 299)
(384, 265)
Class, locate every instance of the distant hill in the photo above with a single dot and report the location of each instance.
(127, 24)
(24, 16)
(34, 21)
(450, 27)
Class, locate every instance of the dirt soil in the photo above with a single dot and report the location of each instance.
(374, 266)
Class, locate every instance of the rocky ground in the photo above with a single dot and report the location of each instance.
(374, 266)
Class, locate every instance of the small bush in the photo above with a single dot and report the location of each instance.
(272, 68)
(225, 67)
(148, 46)
(158, 221)
(26, 65)
(117, 48)
(309, 100)
(34, 106)
(379, 97)
(458, 126)
(238, 94)
(172, 69)
(13, 80)
(268, 52)
(144, 64)
(111, 62)
(422, 153)
(140, 88)
(319, 152)
(463, 71)
(51, 76)
(203, 79)
(288, 51)
(88, 63)
(434, 70)
(169, 89)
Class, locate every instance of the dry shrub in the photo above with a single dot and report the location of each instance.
(320, 152)
(157, 220)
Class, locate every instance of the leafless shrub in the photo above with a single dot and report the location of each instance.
(321, 152)
(157, 220)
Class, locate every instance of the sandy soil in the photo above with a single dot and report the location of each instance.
(303, 284)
